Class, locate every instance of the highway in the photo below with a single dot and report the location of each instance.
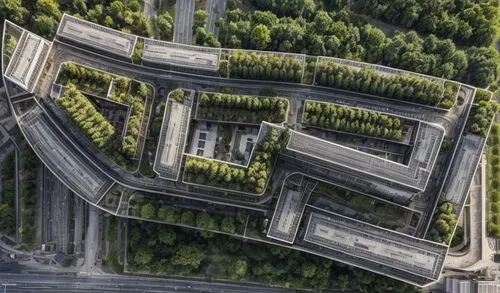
(123, 283)
(183, 27)
(215, 10)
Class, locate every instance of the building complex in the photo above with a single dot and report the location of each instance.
(351, 165)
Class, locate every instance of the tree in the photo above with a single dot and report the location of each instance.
(187, 218)
(189, 256)
(199, 19)
(238, 269)
(178, 95)
(148, 211)
(48, 8)
(260, 37)
(143, 256)
(228, 225)
(205, 221)
(308, 270)
(14, 11)
(164, 26)
(45, 25)
(167, 236)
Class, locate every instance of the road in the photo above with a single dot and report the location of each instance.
(149, 9)
(183, 27)
(123, 283)
(215, 10)
(55, 211)
(91, 240)
(479, 254)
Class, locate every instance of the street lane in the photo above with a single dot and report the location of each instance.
(123, 283)
(183, 27)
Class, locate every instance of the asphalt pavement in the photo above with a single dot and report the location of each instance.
(123, 283)
(183, 27)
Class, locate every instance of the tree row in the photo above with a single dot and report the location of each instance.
(240, 108)
(444, 223)
(201, 219)
(480, 117)
(86, 79)
(7, 201)
(265, 66)
(252, 179)
(29, 182)
(493, 153)
(343, 118)
(86, 117)
(366, 80)
(133, 94)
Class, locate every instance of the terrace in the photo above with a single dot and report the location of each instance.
(172, 140)
(414, 175)
(25, 65)
(372, 244)
(162, 52)
(225, 142)
(97, 36)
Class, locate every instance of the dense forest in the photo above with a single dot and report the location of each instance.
(7, 201)
(43, 16)
(469, 23)
(343, 118)
(240, 108)
(252, 179)
(305, 26)
(168, 250)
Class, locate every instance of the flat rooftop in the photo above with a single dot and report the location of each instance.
(172, 140)
(415, 174)
(374, 244)
(76, 172)
(27, 60)
(196, 57)
(289, 209)
(97, 36)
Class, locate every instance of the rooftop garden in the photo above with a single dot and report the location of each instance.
(480, 117)
(251, 180)
(493, 159)
(253, 65)
(9, 46)
(354, 120)
(444, 223)
(131, 93)
(366, 80)
(240, 108)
